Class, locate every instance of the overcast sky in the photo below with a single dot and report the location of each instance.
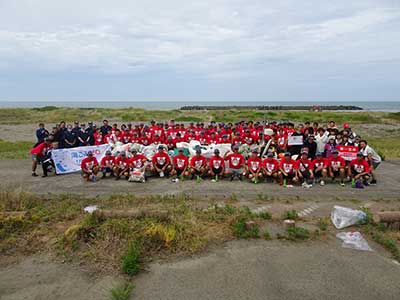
(200, 50)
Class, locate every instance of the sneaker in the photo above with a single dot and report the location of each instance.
(322, 183)
(34, 174)
(232, 177)
(373, 182)
(240, 177)
(94, 178)
(117, 178)
(342, 184)
(365, 183)
(304, 184)
(43, 176)
(161, 174)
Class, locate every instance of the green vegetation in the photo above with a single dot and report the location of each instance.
(52, 114)
(17, 150)
(387, 147)
(290, 215)
(245, 229)
(297, 233)
(130, 261)
(323, 223)
(265, 215)
(122, 292)
(388, 243)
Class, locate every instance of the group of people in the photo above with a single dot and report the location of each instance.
(272, 157)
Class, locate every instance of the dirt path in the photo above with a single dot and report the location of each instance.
(16, 175)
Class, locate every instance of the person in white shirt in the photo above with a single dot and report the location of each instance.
(372, 157)
(321, 138)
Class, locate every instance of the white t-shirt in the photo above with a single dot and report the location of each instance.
(375, 156)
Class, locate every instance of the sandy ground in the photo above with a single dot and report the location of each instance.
(240, 270)
(18, 176)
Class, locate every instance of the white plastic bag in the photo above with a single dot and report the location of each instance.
(343, 217)
(90, 209)
(353, 240)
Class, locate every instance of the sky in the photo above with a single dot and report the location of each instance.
(208, 50)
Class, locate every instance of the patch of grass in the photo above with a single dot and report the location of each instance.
(121, 292)
(298, 233)
(130, 263)
(323, 223)
(242, 228)
(387, 147)
(388, 243)
(267, 235)
(188, 119)
(15, 150)
(290, 215)
(265, 215)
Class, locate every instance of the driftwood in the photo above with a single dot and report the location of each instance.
(136, 213)
(387, 217)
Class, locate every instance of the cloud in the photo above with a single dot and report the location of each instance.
(212, 38)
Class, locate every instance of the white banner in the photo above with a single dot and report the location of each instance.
(295, 140)
(69, 160)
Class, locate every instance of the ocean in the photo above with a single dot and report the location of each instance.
(384, 106)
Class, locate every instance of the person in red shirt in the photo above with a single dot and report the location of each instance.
(90, 167)
(236, 163)
(145, 140)
(121, 167)
(137, 161)
(180, 164)
(38, 153)
(213, 138)
(198, 165)
(98, 138)
(287, 169)
(107, 164)
(254, 167)
(320, 168)
(305, 169)
(237, 139)
(281, 139)
(161, 162)
(359, 168)
(337, 166)
(216, 166)
(271, 167)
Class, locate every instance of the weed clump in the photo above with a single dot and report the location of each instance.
(130, 262)
(245, 229)
(122, 292)
(290, 215)
(298, 233)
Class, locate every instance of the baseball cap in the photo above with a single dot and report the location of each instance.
(318, 154)
(360, 154)
(334, 151)
(270, 154)
(254, 151)
(108, 152)
(287, 154)
(216, 150)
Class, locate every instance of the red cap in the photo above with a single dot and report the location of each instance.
(346, 125)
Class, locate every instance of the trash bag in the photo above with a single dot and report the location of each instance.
(343, 217)
(353, 240)
(137, 175)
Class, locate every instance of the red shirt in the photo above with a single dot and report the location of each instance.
(88, 163)
(161, 158)
(254, 163)
(304, 164)
(336, 163)
(180, 161)
(235, 160)
(360, 166)
(107, 161)
(288, 166)
(137, 161)
(317, 163)
(271, 165)
(217, 162)
(40, 149)
(122, 162)
(198, 161)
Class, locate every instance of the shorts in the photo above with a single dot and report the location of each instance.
(106, 170)
(160, 166)
(272, 174)
(318, 174)
(375, 164)
(179, 172)
(288, 176)
(217, 171)
(306, 174)
(336, 173)
(235, 171)
(354, 172)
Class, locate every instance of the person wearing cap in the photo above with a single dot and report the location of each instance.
(320, 168)
(107, 164)
(198, 165)
(236, 163)
(336, 166)
(39, 153)
(237, 139)
(90, 131)
(161, 162)
(254, 167)
(270, 167)
(330, 146)
(69, 138)
(305, 169)
(216, 165)
(287, 169)
(359, 169)
(83, 137)
(90, 167)
(121, 167)
(180, 164)
(372, 157)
